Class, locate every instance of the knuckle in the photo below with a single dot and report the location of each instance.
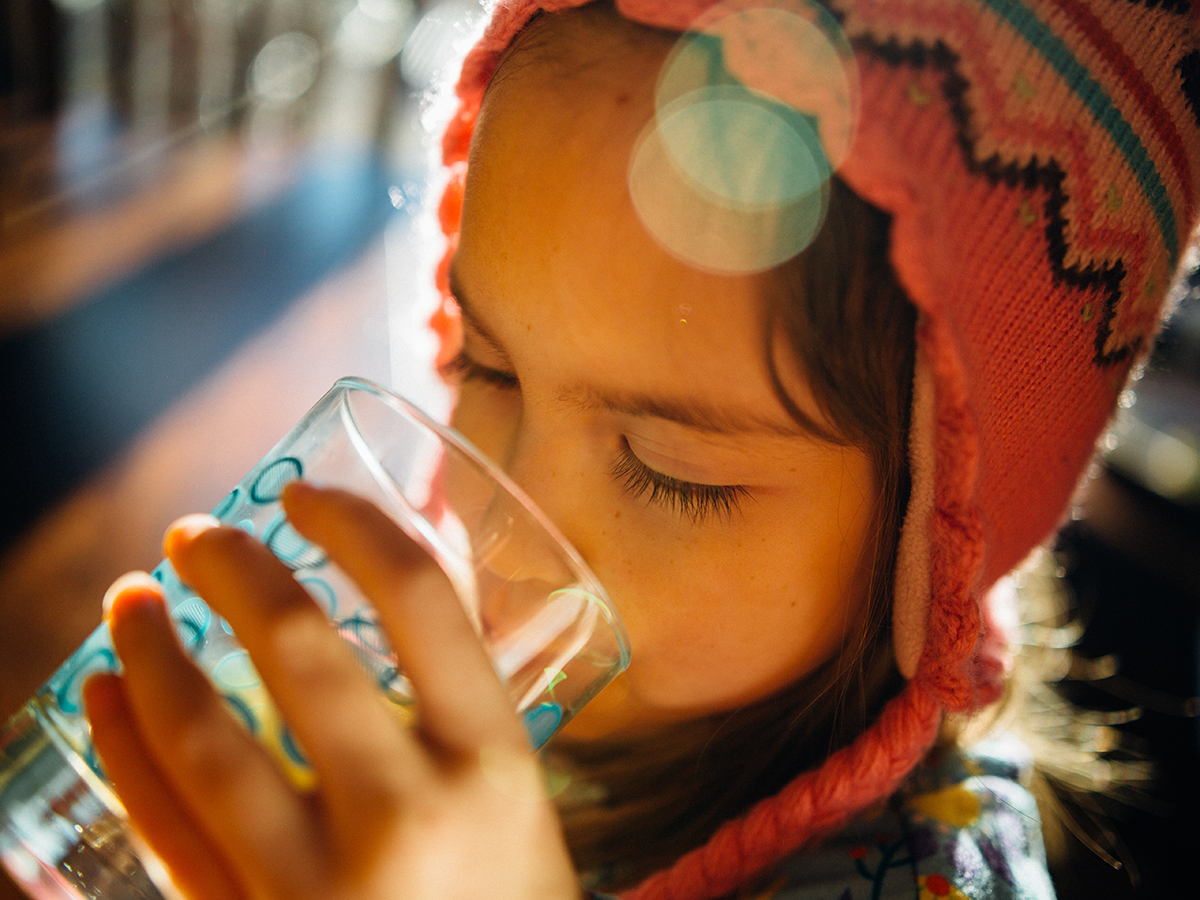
(227, 540)
(195, 746)
(303, 639)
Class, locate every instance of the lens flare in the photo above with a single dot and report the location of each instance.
(755, 108)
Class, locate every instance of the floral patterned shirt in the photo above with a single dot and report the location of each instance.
(965, 827)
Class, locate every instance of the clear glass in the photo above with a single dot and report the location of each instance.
(544, 618)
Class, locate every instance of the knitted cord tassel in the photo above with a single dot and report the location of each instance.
(813, 805)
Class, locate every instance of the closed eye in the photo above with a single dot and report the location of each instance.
(686, 499)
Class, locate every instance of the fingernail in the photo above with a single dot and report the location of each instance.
(298, 489)
(128, 581)
(186, 528)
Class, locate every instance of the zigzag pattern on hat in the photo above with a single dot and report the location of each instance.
(1058, 102)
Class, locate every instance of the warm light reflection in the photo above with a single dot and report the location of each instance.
(373, 32)
(440, 38)
(285, 68)
(76, 6)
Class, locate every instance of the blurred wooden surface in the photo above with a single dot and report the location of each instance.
(45, 270)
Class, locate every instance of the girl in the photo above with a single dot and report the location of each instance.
(801, 324)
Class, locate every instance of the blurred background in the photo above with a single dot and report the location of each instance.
(208, 213)
(1130, 558)
(211, 209)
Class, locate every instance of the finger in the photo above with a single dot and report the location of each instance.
(463, 706)
(197, 869)
(226, 780)
(333, 709)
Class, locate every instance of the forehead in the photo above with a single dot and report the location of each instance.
(551, 245)
(547, 200)
(584, 74)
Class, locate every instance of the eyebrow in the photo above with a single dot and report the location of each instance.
(469, 316)
(694, 414)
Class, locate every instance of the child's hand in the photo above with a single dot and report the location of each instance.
(453, 808)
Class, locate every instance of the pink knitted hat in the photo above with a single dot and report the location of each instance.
(1041, 162)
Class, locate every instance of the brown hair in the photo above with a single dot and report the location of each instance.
(635, 805)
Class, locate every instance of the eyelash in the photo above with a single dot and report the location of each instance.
(687, 499)
(463, 368)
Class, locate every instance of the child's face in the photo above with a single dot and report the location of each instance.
(629, 394)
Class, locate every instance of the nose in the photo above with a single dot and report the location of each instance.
(535, 608)
(506, 537)
(539, 461)
(534, 452)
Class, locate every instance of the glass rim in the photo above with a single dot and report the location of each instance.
(491, 470)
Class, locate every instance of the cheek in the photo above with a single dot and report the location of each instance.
(717, 625)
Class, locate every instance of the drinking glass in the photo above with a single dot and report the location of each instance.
(545, 620)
